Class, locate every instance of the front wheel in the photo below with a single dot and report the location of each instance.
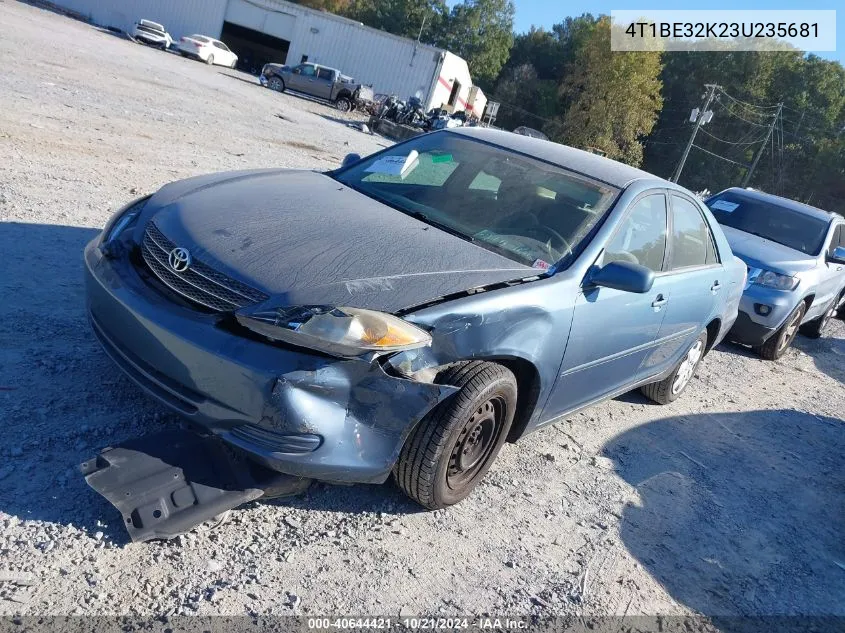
(274, 83)
(780, 341)
(210, 60)
(668, 389)
(816, 327)
(452, 448)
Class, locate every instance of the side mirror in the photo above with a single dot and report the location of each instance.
(837, 256)
(624, 276)
(349, 159)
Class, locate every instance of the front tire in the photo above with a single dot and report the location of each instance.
(275, 83)
(210, 60)
(452, 448)
(816, 327)
(670, 388)
(780, 341)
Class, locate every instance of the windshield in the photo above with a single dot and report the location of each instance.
(770, 221)
(525, 209)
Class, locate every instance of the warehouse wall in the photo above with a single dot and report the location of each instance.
(390, 63)
(179, 17)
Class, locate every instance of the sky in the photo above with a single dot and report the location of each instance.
(544, 13)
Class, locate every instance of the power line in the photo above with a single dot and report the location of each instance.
(754, 142)
(707, 151)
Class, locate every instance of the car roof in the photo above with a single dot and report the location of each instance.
(768, 198)
(609, 171)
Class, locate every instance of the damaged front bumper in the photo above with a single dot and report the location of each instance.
(293, 411)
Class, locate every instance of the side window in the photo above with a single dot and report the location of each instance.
(842, 235)
(324, 73)
(307, 70)
(641, 238)
(691, 239)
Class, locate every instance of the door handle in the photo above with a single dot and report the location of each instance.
(659, 302)
(715, 287)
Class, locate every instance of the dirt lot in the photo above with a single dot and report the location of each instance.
(729, 501)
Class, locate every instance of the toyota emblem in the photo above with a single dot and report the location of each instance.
(179, 259)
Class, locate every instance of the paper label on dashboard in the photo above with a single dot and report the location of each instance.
(724, 205)
(395, 165)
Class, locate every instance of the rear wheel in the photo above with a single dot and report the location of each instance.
(275, 83)
(343, 104)
(780, 341)
(671, 387)
(210, 60)
(452, 448)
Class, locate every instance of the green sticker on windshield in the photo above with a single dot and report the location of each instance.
(441, 158)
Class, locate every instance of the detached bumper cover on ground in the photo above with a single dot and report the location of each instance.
(166, 484)
(295, 412)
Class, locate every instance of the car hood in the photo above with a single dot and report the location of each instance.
(307, 239)
(758, 252)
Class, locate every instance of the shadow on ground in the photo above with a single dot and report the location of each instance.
(739, 513)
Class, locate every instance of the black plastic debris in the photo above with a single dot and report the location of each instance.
(167, 483)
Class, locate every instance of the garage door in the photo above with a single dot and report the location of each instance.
(274, 22)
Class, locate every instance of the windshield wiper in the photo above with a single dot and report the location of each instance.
(419, 215)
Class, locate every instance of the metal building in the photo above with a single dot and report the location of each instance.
(261, 31)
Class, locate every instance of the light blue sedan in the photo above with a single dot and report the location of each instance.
(411, 311)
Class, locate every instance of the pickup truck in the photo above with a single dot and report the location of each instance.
(312, 79)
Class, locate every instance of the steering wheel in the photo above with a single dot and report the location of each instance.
(539, 230)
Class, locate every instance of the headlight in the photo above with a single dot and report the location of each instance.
(339, 331)
(122, 218)
(775, 280)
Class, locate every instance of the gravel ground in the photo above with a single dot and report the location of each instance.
(729, 501)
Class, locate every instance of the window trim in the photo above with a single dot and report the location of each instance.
(705, 266)
(645, 194)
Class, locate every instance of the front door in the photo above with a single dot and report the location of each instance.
(613, 331)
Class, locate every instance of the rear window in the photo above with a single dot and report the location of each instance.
(200, 38)
(151, 25)
(770, 221)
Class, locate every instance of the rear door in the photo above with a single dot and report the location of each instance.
(695, 278)
(613, 331)
(323, 83)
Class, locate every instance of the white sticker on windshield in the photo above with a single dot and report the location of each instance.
(724, 205)
(395, 165)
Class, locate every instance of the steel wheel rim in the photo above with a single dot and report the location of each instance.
(275, 84)
(343, 106)
(687, 368)
(475, 444)
(791, 330)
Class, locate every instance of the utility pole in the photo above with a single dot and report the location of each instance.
(759, 153)
(711, 92)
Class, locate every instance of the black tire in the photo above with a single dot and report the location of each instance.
(780, 341)
(670, 388)
(816, 327)
(210, 60)
(343, 104)
(472, 424)
(276, 83)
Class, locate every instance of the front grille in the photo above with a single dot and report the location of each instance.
(200, 283)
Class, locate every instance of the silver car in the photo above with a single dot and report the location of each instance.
(795, 255)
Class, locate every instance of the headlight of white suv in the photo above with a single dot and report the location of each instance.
(776, 280)
(340, 331)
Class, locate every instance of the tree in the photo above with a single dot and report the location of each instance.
(611, 100)
(480, 31)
